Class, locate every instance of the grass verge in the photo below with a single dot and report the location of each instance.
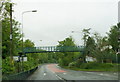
(96, 67)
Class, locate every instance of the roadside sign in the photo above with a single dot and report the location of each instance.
(24, 58)
(16, 58)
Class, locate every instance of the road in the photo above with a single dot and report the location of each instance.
(54, 72)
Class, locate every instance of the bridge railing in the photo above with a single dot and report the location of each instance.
(71, 48)
(54, 49)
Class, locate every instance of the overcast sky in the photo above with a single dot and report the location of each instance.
(55, 19)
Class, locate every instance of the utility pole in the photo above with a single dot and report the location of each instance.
(11, 56)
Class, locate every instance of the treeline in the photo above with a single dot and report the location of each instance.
(33, 59)
(102, 49)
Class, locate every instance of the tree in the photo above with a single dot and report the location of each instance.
(6, 31)
(86, 34)
(102, 51)
(16, 38)
(67, 42)
(113, 37)
(65, 58)
(90, 46)
(28, 43)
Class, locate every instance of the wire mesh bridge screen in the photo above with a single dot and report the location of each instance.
(53, 49)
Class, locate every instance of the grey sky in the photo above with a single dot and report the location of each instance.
(55, 19)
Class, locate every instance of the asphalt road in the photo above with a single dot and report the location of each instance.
(54, 72)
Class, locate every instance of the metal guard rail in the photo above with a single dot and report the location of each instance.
(19, 76)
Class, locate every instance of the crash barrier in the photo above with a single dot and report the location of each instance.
(19, 76)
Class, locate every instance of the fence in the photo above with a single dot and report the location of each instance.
(19, 76)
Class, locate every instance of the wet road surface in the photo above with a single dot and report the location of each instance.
(54, 72)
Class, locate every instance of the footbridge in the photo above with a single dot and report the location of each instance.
(44, 49)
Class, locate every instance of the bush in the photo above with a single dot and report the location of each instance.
(95, 65)
(72, 64)
(6, 67)
(89, 65)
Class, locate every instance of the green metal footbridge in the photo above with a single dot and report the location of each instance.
(44, 49)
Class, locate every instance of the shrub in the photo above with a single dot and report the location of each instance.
(72, 64)
(94, 65)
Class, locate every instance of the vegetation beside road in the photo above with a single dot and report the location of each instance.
(102, 48)
(95, 67)
(33, 59)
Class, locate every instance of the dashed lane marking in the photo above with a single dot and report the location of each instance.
(89, 72)
(115, 73)
(64, 73)
(101, 74)
(44, 74)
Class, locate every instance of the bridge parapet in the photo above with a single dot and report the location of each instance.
(53, 49)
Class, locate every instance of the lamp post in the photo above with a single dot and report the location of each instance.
(22, 24)
(22, 32)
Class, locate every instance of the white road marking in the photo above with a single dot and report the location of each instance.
(101, 74)
(44, 74)
(87, 72)
(59, 77)
(107, 74)
(64, 73)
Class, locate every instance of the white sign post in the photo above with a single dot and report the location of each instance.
(24, 58)
(16, 58)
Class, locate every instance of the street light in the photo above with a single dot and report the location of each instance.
(76, 31)
(22, 24)
(22, 28)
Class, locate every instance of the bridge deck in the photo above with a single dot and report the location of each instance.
(53, 49)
